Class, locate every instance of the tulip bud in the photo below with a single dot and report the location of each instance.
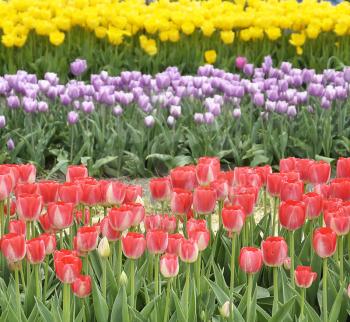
(286, 264)
(123, 279)
(225, 310)
(103, 248)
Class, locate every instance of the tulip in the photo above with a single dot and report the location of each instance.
(201, 236)
(35, 251)
(339, 188)
(107, 230)
(45, 224)
(10, 209)
(115, 193)
(6, 184)
(168, 224)
(91, 193)
(291, 189)
(132, 192)
(87, 238)
(13, 247)
(153, 222)
(188, 251)
(138, 212)
(181, 201)
(287, 263)
(206, 172)
(274, 252)
(184, 177)
(27, 173)
(60, 214)
(160, 189)
(134, 245)
(120, 218)
(81, 287)
(104, 251)
(29, 206)
(48, 190)
(26, 188)
(324, 242)
(292, 214)
(70, 192)
(174, 241)
(343, 168)
(75, 172)
(157, 241)
(49, 241)
(226, 309)
(287, 164)
(302, 166)
(273, 184)
(77, 68)
(169, 265)
(313, 204)
(17, 227)
(204, 200)
(319, 172)
(233, 218)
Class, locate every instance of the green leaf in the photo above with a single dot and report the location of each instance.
(99, 303)
(44, 311)
(101, 162)
(180, 314)
(117, 307)
(333, 316)
(283, 311)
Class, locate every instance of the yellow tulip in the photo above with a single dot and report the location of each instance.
(273, 33)
(207, 29)
(174, 35)
(297, 40)
(8, 40)
(100, 32)
(227, 37)
(56, 38)
(312, 31)
(210, 56)
(299, 51)
(187, 28)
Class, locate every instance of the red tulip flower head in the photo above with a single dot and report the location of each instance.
(138, 212)
(87, 238)
(184, 177)
(313, 204)
(17, 227)
(134, 245)
(169, 224)
(81, 286)
(13, 247)
(92, 193)
(204, 200)
(340, 188)
(274, 251)
(324, 242)
(291, 189)
(339, 221)
(273, 184)
(181, 201)
(5, 183)
(233, 218)
(115, 193)
(68, 268)
(48, 190)
(132, 192)
(287, 164)
(188, 251)
(75, 172)
(70, 192)
(27, 173)
(160, 189)
(60, 214)
(26, 188)
(157, 241)
(35, 251)
(304, 276)
(121, 218)
(49, 241)
(201, 236)
(29, 206)
(169, 265)
(193, 224)
(221, 187)
(343, 168)
(292, 214)
(108, 231)
(250, 260)
(153, 222)
(174, 241)
(319, 172)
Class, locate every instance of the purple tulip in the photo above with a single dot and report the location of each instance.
(72, 117)
(258, 99)
(170, 120)
(149, 121)
(10, 144)
(13, 102)
(52, 78)
(43, 107)
(325, 103)
(240, 62)
(117, 110)
(2, 121)
(198, 118)
(291, 111)
(236, 113)
(87, 107)
(248, 69)
(209, 118)
(78, 67)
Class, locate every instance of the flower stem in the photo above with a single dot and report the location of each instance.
(156, 276)
(291, 247)
(37, 282)
(46, 273)
(167, 301)
(341, 259)
(18, 299)
(132, 283)
(249, 295)
(22, 277)
(119, 258)
(2, 223)
(274, 223)
(198, 272)
(66, 302)
(187, 287)
(232, 263)
(265, 201)
(221, 203)
(302, 303)
(61, 239)
(104, 278)
(275, 290)
(324, 291)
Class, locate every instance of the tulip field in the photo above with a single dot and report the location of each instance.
(174, 161)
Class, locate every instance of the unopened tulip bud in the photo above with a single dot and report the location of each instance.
(286, 263)
(225, 310)
(103, 248)
(123, 279)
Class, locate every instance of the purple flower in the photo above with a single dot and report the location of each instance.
(43, 107)
(29, 105)
(315, 90)
(175, 110)
(149, 121)
(281, 107)
(13, 102)
(198, 118)
(2, 121)
(87, 107)
(117, 110)
(52, 78)
(78, 67)
(65, 99)
(291, 111)
(170, 120)
(44, 85)
(248, 69)
(72, 117)
(10, 144)
(237, 113)
(258, 99)
(325, 103)
(286, 67)
(240, 62)
(347, 74)
(209, 117)
(76, 105)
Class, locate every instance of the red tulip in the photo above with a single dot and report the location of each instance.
(59, 254)
(291, 189)
(319, 172)
(188, 251)
(193, 224)
(233, 218)
(120, 218)
(60, 214)
(249, 178)
(204, 200)
(181, 201)
(174, 241)
(201, 236)
(313, 204)
(27, 173)
(153, 222)
(324, 242)
(343, 168)
(29, 206)
(48, 190)
(28, 188)
(250, 260)
(12, 208)
(49, 241)
(292, 175)
(138, 212)
(70, 192)
(263, 172)
(221, 187)
(91, 193)
(45, 223)
(134, 245)
(35, 251)
(168, 224)
(68, 268)
(205, 173)
(244, 199)
(169, 265)
(87, 238)
(292, 214)
(332, 204)
(115, 193)
(184, 177)
(157, 241)
(5, 184)
(322, 189)
(302, 166)
(78, 216)
(274, 251)
(13, 247)
(340, 223)
(132, 192)
(340, 188)
(273, 184)
(81, 287)
(107, 230)
(12, 169)
(304, 276)
(287, 164)
(160, 188)
(75, 172)
(17, 227)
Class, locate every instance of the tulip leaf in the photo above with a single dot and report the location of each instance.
(29, 301)
(333, 316)
(192, 305)
(283, 311)
(44, 311)
(221, 296)
(101, 162)
(310, 312)
(252, 313)
(180, 314)
(125, 306)
(99, 303)
(117, 307)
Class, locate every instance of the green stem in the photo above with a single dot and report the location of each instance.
(167, 301)
(265, 201)
(46, 273)
(341, 261)
(198, 272)
(37, 282)
(104, 278)
(66, 302)
(156, 275)
(324, 291)
(132, 283)
(2, 223)
(274, 232)
(232, 278)
(249, 295)
(91, 215)
(251, 226)
(292, 251)
(187, 288)
(61, 239)
(18, 299)
(275, 291)
(184, 227)
(119, 259)
(302, 304)
(22, 277)
(221, 204)
(83, 215)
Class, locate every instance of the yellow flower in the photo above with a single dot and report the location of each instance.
(297, 40)
(100, 32)
(164, 36)
(327, 24)
(340, 29)
(245, 35)
(174, 35)
(56, 38)
(20, 40)
(273, 33)
(299, 51)
(210, 56)
(151, 50)
(92, 22)
(207, 28)
(8, 40)
(313, 31)
(115, 36)
(187, 28)
(227, 37)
